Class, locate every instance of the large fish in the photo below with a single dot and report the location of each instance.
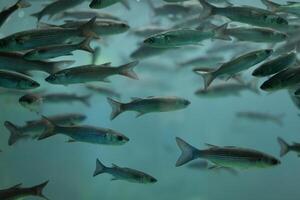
(88, 134)
(148, 105)
(236, 65)
(17, 192)
(90, 73)
(124, 173)
(232, 157)
(4, 15)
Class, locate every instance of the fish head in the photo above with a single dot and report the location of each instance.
(272, 84)
(27, 84)
(183, 103)
(56, 78)
(120, 27)
(264, 53)
(147, 179)
(159, 40)
(31, 55)
(116, 138)
(275, 19)
(268, 161)
(31, 101)
(77, 118)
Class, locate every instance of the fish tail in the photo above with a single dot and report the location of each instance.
(284, 147)
(127, 70)
(208, 78)
(116, 108)
(100, 168)
(50, 130)
(207, 9)
(38, 15)
(85, 45)
(220, 32)
(253, 87)
(86, 100)
(38, 190)
(87, 29)
(23, 4)
(57, 65)
(270, 5)
(188, 152)
(15, 133)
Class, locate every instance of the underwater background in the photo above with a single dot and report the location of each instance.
(152, 147)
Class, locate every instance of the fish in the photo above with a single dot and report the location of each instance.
(124, 173)
(90, 73)
(48, 52)
(275, 65)
(104, 91)
(87, 14)
(14, 80)
(30, 39)
(236, 65)
(33, 102)
(17, 192)
(99, 4)
(55, 8)
(260, 116)
(291, 7)
(178, 38)
(245, 14)
(87, 134)
(227, 89)
(148, 105)
(5, 14)
(253, 34)
(35, 128)
(232, 157)
(15, 62)
(285, 147)
(284, 79)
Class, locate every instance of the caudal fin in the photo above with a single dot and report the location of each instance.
(38, 190)
(188, 152)
(86, 100)
(23, 4)
(85, 45)
(50, 129)
(284, 147)
(127, 70)
(15, 134)
(270, 5)
(208, 77)
(207, 9)
(100, 168)
(116, 108)
(220, 32)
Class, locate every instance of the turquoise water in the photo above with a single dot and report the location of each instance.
(152, 147)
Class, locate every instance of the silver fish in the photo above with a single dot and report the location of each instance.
(148, 105)
(233, 157)
(14, 80)
(123, 173)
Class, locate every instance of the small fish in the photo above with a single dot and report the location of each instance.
(260, 35)
(82, 14)
(285, 147)
(227, 89)
(285, 79)
(55, 8)
(14, 80)
(99, 4)
(4, 15)
(291, 7)
(246, 14)
(35, 38)
(177, 38)
(44, 53)
(232, 157)
(259, 116)
(88, 134)
(16, 192)
(104, 91)
(148, 105)
(90, 73)
(123, 173)
(35, 128)
(236, 65)
(276, 65)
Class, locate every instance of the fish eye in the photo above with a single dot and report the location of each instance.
(153, 180)
(275, 161)
(119, 138)
(280, 20)
(150, 40)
